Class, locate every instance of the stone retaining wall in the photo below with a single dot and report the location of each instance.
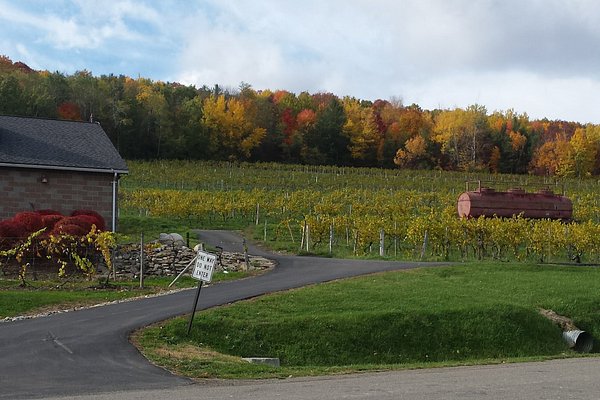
(171, 259)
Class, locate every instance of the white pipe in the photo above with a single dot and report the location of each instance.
(114, 202)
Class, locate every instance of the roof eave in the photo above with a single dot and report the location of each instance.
(66, 168)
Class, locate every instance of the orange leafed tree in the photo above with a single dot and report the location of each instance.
(567, 158)
(495, 160)
(70, 111)
(279, 95)
(305, 118)
(550, 158)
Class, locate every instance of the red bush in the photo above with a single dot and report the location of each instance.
(12, 229)
(50, 220)
(68, 229)
(24, 223)
(31, 221)
(100, 224)
(87, 220)
(10, 233)
(82, 221)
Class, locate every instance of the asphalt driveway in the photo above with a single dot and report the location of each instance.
(88, 351)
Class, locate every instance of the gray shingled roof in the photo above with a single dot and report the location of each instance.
(38, 143)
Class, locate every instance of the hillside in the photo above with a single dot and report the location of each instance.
(148, 119)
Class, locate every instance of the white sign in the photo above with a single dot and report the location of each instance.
(205, 265)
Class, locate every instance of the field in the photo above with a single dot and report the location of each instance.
(352, 212)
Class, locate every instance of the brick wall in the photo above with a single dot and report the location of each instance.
(65, 191)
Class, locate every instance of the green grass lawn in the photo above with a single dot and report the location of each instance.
(467, 313)
(44, 295)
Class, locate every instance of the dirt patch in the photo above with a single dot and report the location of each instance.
(189, 352)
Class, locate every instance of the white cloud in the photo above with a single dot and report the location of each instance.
(434, 51)
(554, 98)
(525, 54)
(63, 33)
(261, 44)
(22, 50)
(90, 25)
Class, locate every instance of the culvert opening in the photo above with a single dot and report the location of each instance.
(580, 341)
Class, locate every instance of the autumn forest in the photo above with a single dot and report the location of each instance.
(149, 119)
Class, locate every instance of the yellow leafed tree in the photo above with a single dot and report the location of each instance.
(360, 128)
(583, 155)
(517, 141)
(414, 149)
(462, 135)
(230, 128)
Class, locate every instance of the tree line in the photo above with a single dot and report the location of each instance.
(148, 119)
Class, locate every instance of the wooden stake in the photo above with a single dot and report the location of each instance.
(424, 248)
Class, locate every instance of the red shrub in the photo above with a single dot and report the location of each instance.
(68, 229)
(31, 221)
(81, 221)
(12, 229)
(100, 224)
(50, 220)
(84, 221)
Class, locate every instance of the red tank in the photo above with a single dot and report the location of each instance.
(488, 202)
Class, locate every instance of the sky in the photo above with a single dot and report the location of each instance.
(540, 57)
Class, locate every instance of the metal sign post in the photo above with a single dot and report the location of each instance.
(194, 309)
(203, 270)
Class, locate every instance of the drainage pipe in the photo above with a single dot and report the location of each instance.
(575, 338)
(578, 340)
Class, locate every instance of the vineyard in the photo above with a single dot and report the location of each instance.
(362, 212)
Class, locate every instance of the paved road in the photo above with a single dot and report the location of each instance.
(87, 352)
(558, 379)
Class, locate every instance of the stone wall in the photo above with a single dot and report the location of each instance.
(171, 259)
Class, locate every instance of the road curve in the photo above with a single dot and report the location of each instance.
(556, 379)
(87, 352)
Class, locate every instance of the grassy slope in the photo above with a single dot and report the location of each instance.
(464, 313)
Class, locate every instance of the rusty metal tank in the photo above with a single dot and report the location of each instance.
(488, 202)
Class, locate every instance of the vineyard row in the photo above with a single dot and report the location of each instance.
(412, 224)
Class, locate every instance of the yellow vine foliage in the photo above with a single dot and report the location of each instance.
(357, 216)
(64, 250)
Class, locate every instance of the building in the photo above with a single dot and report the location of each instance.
(58, 165)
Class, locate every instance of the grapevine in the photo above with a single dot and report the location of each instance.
(415, 211)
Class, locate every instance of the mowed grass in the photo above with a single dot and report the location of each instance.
(46, 295)
(461, 314)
